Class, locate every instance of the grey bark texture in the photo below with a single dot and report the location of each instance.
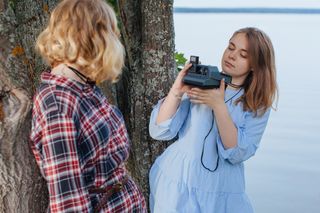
(147, 32)
(21, 187)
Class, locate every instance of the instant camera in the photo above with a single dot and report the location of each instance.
(204, 76)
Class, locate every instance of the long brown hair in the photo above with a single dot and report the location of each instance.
(260, 86)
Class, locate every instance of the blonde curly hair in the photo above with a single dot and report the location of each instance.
(84, 33)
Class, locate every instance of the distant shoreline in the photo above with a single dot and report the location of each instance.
(263, 10)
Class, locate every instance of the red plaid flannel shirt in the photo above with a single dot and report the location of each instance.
(80, 141)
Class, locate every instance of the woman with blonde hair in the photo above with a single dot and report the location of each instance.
(218, 129)
(78, 138)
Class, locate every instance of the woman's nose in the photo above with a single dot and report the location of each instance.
(232, 55)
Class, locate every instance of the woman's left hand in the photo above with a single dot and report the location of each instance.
(209, 97)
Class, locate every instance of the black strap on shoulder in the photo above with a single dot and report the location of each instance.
(82, 77)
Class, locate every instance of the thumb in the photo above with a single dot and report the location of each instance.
(222, 85)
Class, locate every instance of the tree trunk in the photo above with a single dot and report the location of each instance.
(21, 187)
(148, 34)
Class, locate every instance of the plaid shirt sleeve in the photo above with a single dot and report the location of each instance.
(60, 164)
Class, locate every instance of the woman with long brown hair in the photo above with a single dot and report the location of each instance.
(218, 129)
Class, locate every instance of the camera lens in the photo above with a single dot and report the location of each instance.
(205, 71)
(198, 70)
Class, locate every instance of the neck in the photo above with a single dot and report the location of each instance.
(63, 70)
(233, 88)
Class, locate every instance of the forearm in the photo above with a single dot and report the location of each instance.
(227, 130)
(169, 106)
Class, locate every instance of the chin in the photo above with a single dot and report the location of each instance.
(225, 70)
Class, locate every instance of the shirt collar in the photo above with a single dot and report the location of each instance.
(48, 78)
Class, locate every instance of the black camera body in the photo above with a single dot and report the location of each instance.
(204, 76)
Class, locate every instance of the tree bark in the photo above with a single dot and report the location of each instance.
(148, 34)
(21, 187)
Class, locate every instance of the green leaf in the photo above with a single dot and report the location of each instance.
(180, 60)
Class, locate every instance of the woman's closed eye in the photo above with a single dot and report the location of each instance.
(243, 55)
(231, 47)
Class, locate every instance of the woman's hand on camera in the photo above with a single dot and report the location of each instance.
(179, 88)
(210, 97)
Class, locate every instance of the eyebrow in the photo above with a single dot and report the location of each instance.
(235, 45)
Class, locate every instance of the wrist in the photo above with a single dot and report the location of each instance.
(176, 93)
(218, 106)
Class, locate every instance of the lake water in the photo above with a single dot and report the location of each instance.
(284, 176)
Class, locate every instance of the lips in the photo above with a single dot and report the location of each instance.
(228, 64)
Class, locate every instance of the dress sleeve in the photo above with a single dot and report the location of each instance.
(168, 129)
(249, 137)
(61, 166)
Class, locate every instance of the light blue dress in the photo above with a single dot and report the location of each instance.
(178, 180)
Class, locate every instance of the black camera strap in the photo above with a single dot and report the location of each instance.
(203, 145)
(204, 141)
(233, 96)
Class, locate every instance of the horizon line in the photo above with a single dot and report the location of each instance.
(264, 10)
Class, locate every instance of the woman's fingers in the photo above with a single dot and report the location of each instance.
(184, 70)
(196, 89)
(182, 73)
(195, 101)
(198, 97)
(186, 88)
(199, 92)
